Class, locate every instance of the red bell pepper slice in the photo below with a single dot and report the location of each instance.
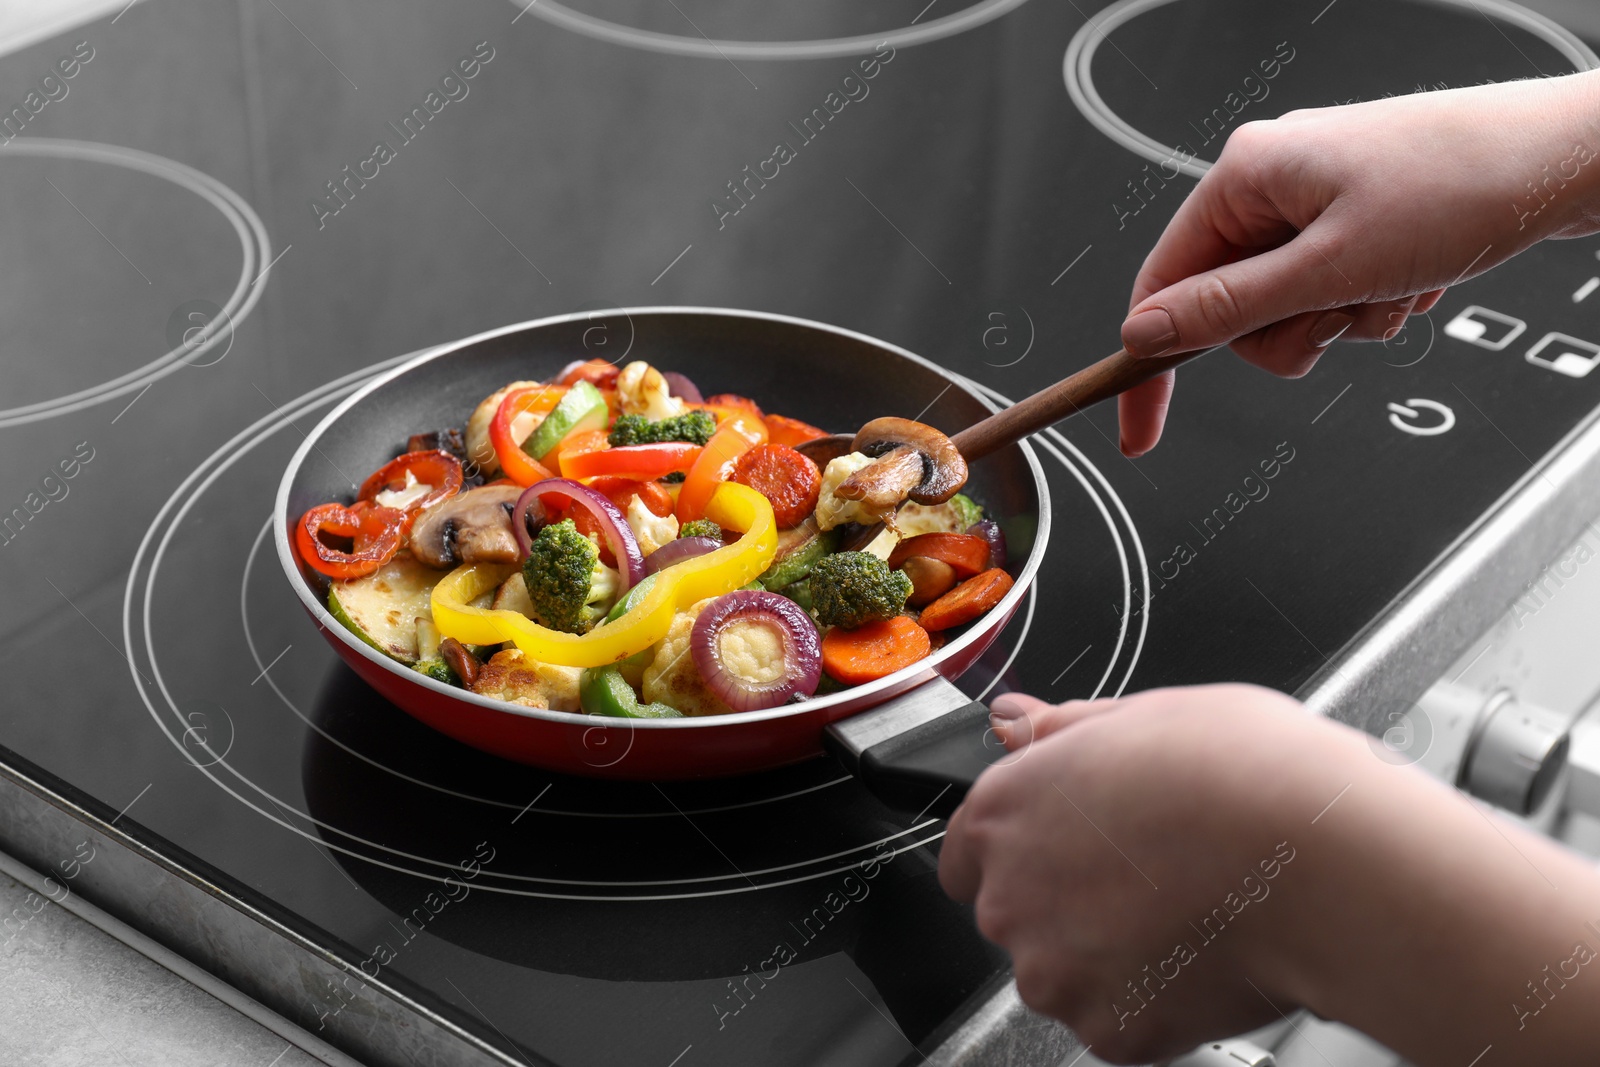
(597, 372)
(375, 534)
(517, 464)
(643, 463)
(736, 434)
(435, 468)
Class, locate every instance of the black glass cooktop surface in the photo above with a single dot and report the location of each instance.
(227, 217)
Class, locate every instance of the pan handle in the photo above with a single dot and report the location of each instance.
(920, 751)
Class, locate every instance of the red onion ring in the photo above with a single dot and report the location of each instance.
(802, 649)
(990, 531)
(613, 526)
(679, 386)
(678, 551)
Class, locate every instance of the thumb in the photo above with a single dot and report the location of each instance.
(1019, 719)
(1218, 306)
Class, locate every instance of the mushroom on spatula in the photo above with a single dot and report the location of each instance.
(914, 461)
(917, 462)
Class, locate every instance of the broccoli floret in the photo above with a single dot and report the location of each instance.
(567, 584)
(695, 427)
(851, 589)
(438, 670)
(700, 528)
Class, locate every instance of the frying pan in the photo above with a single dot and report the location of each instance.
(913, 737)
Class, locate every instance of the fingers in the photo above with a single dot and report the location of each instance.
(1210, 228)
(1019, 719)
(1142, 412)
(1380, 321)
(1426, 301)
(960, 867)
(1220, 305)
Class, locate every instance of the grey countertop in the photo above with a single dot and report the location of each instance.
(72, 995)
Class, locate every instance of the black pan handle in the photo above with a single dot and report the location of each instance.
(921, 751)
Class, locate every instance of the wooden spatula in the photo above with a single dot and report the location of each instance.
(1115, 374)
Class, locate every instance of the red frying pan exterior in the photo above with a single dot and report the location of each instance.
(710, 746)
(609, 748)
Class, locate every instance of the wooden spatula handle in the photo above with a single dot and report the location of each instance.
(1089, 386)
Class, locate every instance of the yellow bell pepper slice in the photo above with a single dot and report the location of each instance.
(735, 506)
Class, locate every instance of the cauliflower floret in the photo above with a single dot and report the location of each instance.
(605, 585)
(513, 677)
(753, 651)
(832, 511)
(649, 529)
(479, 449)
(641, 390)
(672, 677)
(883, 545)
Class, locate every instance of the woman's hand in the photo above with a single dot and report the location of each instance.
(1185, 864)
(1343, 221)
(1097, 855)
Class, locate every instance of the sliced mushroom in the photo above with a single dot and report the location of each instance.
(470, 527)
(943, 472)
(884, 483)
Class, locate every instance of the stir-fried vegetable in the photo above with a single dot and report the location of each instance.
(700, 528)
(695, 427)
(604, 691)
(965, 553)
(531, 513)
(641, 462)
(756, 650)
(873, 651)
(967, 601)
(851, 589)
(582, 408)
(413, 481)
(734, 506)
(518, 465)
(734, 437)
(374, 534)
(783, 476)
(567, 583)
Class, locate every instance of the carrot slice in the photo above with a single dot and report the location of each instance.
(782, 430)
(967, 601)
(967, 553)
(872, 651)
(789, 480)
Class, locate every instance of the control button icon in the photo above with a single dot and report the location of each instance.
(1565, 355)
(1408, 419)
(1484, 328)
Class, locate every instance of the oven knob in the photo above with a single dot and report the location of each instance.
(1515, 753)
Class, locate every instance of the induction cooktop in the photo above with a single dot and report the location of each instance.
(216, 221)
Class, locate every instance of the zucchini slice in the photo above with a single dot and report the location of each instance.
(382, 609)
